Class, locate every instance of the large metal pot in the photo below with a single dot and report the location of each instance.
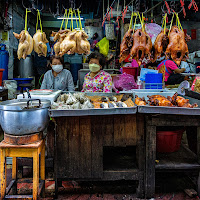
(24, 116)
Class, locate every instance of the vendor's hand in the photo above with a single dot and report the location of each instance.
(183, 69)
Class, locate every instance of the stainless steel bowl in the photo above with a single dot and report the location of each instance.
(23, 117)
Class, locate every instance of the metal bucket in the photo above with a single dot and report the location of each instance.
(26, 68)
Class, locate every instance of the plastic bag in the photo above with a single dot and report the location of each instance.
(124, 82)
(153, 30)
(11, 85)
(197, 84)
(103, 46)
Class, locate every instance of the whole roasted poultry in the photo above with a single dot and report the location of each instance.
(160, 45)
(82, 44)
(182, 102)
(140, 101)
(126, 45)
(25, 46)
(177, 48)
(159, 100)
(142, 46)
(59, 37)
(39, 43)
(68, 45)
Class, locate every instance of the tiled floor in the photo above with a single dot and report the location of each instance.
(71, 190)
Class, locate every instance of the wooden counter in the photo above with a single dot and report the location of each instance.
(84, 147)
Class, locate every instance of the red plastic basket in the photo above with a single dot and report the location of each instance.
(1, 75)
(131, 70)
(168, 141)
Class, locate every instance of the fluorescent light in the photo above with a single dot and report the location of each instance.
(70, 18)
(79, 28)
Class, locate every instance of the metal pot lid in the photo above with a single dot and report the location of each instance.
(25, 104)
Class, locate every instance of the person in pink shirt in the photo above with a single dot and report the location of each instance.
(97, 80)
(172, 74)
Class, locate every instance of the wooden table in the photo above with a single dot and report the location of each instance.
(184, 160)
(90, 148)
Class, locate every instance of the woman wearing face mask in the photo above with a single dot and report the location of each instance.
(97, 80)
(57, 78)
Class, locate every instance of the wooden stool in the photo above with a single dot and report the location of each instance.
(30, 150)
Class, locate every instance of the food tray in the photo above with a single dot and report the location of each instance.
(172, 110)
(93, 111)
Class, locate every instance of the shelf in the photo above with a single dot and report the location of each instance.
(184, 159)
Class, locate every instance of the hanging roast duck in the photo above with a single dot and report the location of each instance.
(126, 45)
(177, 48)
(39, 43)
(25, 46)
(160, 45)
(142, 46)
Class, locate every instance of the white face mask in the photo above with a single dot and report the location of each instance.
(57, 68)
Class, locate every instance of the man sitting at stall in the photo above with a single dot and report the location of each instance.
(97, 80)
(58, 78)
(172, 74)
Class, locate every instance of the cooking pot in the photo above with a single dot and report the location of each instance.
(24, 116)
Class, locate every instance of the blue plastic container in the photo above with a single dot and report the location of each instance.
(4, 56)
(153, 81)
(21, 81)
(74, 68)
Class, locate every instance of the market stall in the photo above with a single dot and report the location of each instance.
(123, 116)
(90, 135)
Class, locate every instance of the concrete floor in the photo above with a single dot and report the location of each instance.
(72, 190)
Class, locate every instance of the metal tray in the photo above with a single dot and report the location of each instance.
(172, 110)
(93, 111)
(145, 93)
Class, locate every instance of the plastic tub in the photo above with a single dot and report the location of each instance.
(22, 81)
(168, 141)
(153, 78)
(153, 81)
(1, 76)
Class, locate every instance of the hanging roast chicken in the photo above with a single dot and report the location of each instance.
(160, 45)
(25, 46)
(126, 45)
(59, 37)
(142, 46)
(68, 45)
(39, 43)
(177, 48)
(82, 44)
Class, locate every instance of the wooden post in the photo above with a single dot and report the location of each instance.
(140, 153)
(150, 161)
(14, 174)
(3, 173)
(42, 162)
(35, 174)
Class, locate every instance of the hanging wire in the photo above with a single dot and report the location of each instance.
(33, 6)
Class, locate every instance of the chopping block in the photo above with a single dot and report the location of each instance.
(36, 151)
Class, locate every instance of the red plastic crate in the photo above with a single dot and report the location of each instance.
(168, 141)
